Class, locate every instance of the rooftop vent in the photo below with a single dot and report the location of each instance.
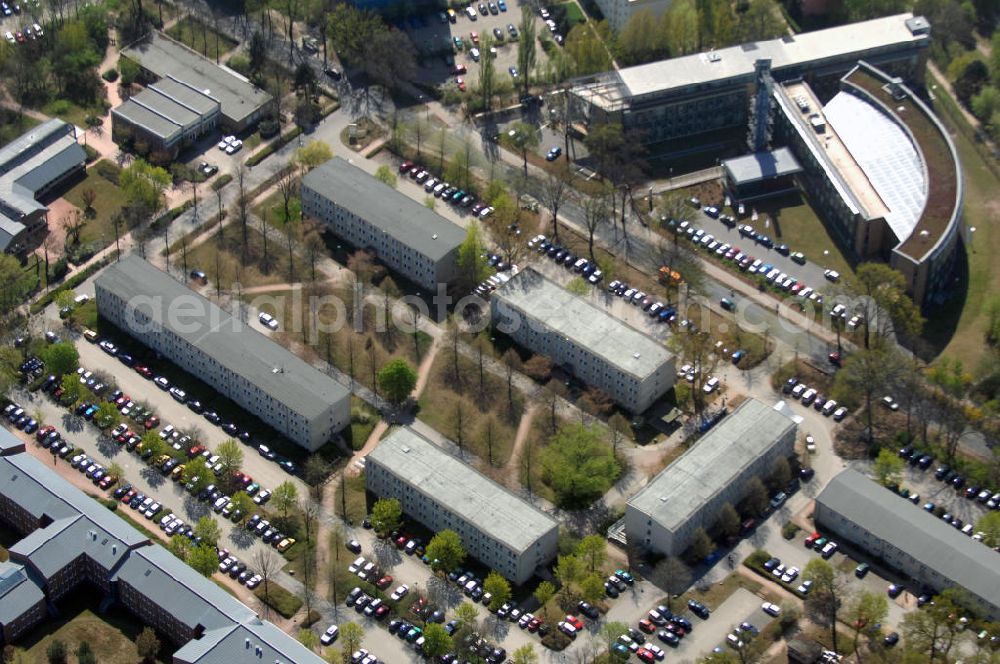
(434, 237)
(663, 499)
(635, 355)
(712, 56)
(406, 450)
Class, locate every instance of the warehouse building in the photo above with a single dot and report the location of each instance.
(688, 494)
(909, 540)
(32, 166)
(267, 380)
(585, 340)
(159, 57)
(166, 117)
(711, 92)
(68, 538)
(409, 238)
(497, 528)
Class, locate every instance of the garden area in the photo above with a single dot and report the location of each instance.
(97, 197)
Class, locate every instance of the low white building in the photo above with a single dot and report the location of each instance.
(687, 494)
(265, 379)
(409, 238)
(596, 347)
(497, 528)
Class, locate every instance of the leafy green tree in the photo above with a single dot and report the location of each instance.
(986, 103)
(487, 74)
(107, 415)
(886, 308)
(762, 20)
(728, 520)
(436, 641)
(865, 613)
(203, 559)
(308, 638)
(523, 138)
(610, 631)
(641, 39)
(586, 50)
(524, 655)
(385, 174)
(145, 184)
(472, 265)
(593, 551)
(396, 380)
(230, 457)
(198, 474)
(866, 374)
(936, 629)
(569, 570)
(827, 595)
(313, 154)
(446, 547)
(56, 652)
(85, 654)
(352, 30)
(71, 388)
(579, 465)
(888, 468)
(544, 592)
(61, 358)
(466, 615)
(592, 587)
(701, 546)
(351, 634)
(386, 516)
(180, 546)
(284, 497)
(147, 645)
(17, 281)
(989, 525)
(499, 587)
(208, 529)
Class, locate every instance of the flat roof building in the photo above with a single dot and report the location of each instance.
(69, 537)
(31, 166)
(687, 495)
(160, 57)
(906, 538)
(442, 492)
(710, 91)
(167, 115)
(882, 172)
(266, 379)
(596, 347)
(409, 238)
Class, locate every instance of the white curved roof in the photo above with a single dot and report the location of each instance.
(889, 159)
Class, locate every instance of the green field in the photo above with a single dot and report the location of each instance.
(107, 202)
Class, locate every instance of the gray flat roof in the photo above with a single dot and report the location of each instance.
(762, 165)
(233, 344)
(167, 58)
(146, 110)
(18, 591)
(584, 324)
(909, 528)
(186, 94)
(462, 489)
(866, 38)
(391, 211)
(714, 462)
(30, 162)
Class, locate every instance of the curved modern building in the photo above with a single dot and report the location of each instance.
(881, 170)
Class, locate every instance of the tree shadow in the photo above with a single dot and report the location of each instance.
(153, 476)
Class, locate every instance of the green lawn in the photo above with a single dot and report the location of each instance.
(956, 329)
(201, 37)
(70, 112)
(111, 635)
(572, 12)
(108, 201)
(12, 126)
(795, 223)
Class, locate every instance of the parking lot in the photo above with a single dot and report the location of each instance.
(19, 16)
(434, 34)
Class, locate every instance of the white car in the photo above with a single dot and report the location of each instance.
(711, 385)
(829, 407)
(234, 146)
(810, 445)
(356, 565)
(770, 609)
(840, 414)
(790, 575)
(9, 36)
(831, 275)
(330, 635)
(474, 54)
(399, 593)
(224, 143)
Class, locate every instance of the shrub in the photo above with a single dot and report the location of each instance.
(269, 128)
(92, 154)
(59, 107)
(110, 75)
(279, 599)
(222, 181)
(789, 530)
(758, 558)
(108, 171)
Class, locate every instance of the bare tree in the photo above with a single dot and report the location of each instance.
(288, 185)
(554, 191)
(267, 563)
(595, 215)
(243, 207)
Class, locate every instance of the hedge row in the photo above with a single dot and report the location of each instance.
(71, 283)
(273, 147)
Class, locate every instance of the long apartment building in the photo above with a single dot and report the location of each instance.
(687, 495)
(67, 538)
(708, 92)
(410, 239)
(499, 529)
(594, 346)
(267, 380)
(913, 542)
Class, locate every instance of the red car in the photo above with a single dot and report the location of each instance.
(107, 481)
(152, 422)
(143, 371)
(460, 82)
(645, 655)
(128, 496)
(647, 626)
(405, 166)
(459, 70)
(811, 540)
(384, 582)
(534, 625)
(575, 622)
(44, 431)
(401, 541)
(381, 611)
